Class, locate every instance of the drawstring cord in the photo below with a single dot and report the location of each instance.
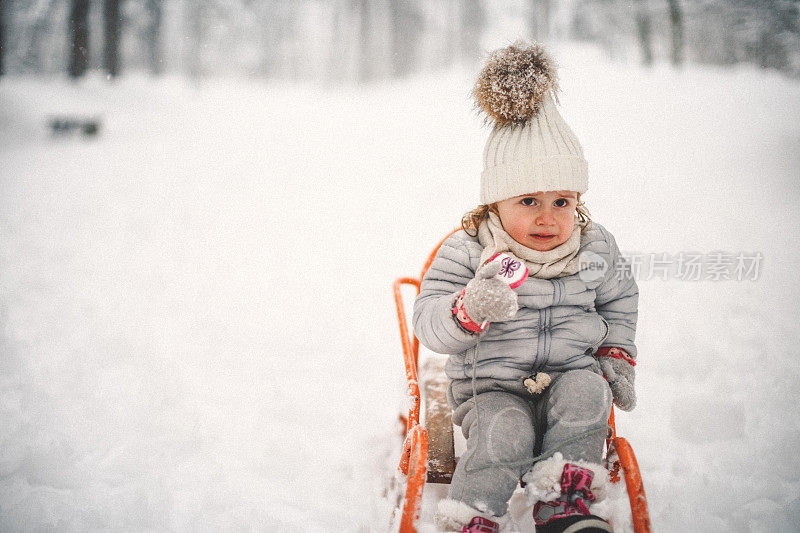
(547, 453)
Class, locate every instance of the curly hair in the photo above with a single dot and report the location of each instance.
(472, 219)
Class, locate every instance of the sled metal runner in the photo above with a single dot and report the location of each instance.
(428, 452)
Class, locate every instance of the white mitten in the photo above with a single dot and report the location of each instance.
(487, 298)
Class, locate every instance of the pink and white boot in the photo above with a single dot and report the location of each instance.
(480, 524)
(567, 510)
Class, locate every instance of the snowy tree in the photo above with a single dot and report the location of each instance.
(153, 36)
(140, 35)
(763, 32)
(36, 35)
(539, 15)
(645, 31)
(472, 17)
(610, 23)
(277, 35)
(407, 27)
(365, 40)
(2, 39)
(771, 47)
(365, 57)
(111, 31)
(676, 30)
(196, 13)
(79, 38)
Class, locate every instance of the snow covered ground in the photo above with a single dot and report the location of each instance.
(197, 330)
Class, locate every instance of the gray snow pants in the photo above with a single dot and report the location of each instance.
(512, 426)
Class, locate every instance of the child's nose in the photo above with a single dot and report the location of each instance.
(545, 217)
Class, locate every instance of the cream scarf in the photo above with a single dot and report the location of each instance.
(559, 262)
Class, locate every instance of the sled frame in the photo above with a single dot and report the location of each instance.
(428, 452)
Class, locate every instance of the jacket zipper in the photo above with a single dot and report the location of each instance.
(543, 339)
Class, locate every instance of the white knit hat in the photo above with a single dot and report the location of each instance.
(531, 148)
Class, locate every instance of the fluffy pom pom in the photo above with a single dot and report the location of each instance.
(514, 81)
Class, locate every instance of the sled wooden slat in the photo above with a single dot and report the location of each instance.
(438, 421)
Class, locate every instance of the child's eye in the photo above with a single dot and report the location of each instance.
(528, 201)
(561, 202)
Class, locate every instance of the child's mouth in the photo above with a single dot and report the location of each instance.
(542, 237)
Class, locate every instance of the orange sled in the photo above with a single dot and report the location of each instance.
(428, 452)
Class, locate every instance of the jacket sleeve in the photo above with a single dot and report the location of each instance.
(617, 300)
(433, 320)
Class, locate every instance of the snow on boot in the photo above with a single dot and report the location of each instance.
(569, 513)
(481, 525)
(454, 515)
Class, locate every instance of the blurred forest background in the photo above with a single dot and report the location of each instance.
(365, 40)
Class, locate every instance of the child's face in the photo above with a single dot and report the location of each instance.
(542, 220)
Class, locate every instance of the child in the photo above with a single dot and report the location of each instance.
(527, 365)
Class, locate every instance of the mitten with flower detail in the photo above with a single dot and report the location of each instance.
(487, 298)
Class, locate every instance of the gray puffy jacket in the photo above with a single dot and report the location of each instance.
(560, 323)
